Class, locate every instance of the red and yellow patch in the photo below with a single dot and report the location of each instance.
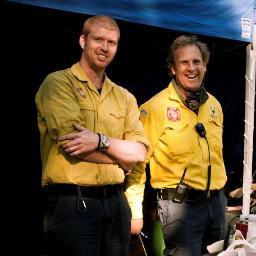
(173, 114)
(81, 92)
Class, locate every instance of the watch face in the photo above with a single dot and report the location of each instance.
(105, 143)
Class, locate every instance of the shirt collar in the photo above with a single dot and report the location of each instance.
(172, 92)
(77, 72)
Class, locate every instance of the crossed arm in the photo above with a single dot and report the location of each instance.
(83, 144)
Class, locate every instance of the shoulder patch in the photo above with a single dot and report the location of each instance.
(213, 112)
(143, 112)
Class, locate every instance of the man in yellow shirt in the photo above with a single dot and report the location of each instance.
(184, 124)
(91, 137)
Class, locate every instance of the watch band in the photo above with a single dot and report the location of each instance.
(98, 147)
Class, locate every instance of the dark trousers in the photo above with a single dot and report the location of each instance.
(188, 227)
(103, 229)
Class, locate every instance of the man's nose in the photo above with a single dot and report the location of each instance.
(191, 66)
(104, 45)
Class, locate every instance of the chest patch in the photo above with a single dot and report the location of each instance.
(173, 114)
(81, 92)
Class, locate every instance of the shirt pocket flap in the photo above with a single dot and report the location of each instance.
(85, 106)
(117, 114)
(176, 126)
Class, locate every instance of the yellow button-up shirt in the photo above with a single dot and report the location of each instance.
(176, 145)
(66, 97)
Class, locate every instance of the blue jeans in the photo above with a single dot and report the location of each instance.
(190, 226)
(102, 230)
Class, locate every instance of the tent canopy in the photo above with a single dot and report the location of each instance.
(231, 19)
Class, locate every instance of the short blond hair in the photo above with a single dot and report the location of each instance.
(105, 21)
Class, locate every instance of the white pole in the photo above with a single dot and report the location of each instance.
(249, 127)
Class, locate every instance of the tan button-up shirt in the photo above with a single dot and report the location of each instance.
(66, 97)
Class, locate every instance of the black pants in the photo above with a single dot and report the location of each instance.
(103, 229)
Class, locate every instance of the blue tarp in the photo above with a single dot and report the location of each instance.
(232, 19)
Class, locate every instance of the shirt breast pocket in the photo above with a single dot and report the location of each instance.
(180, 141)
(214, 135)
(88, 114)
(117, 124)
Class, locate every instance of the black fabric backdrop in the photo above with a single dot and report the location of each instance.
(38, 41)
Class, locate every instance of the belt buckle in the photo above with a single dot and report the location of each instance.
(161, 194)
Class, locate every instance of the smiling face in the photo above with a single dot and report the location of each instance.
(189, 67)
(99, 46)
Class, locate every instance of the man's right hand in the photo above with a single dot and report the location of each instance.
(80, 142)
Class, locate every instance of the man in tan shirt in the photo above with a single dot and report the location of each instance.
(91, 137)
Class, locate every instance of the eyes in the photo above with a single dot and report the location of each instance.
(110, 43)
(188, 62)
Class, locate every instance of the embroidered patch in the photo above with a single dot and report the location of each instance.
(173, 114)
(213, 111)
(81, 92)
(143, 112)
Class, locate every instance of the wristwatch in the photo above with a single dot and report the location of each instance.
(104, 143)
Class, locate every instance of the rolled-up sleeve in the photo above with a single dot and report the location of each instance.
(57, 105)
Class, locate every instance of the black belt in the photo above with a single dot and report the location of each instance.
(192, 195)
(86, 191)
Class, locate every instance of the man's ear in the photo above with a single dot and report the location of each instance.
(82, 40)
(173, 71)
